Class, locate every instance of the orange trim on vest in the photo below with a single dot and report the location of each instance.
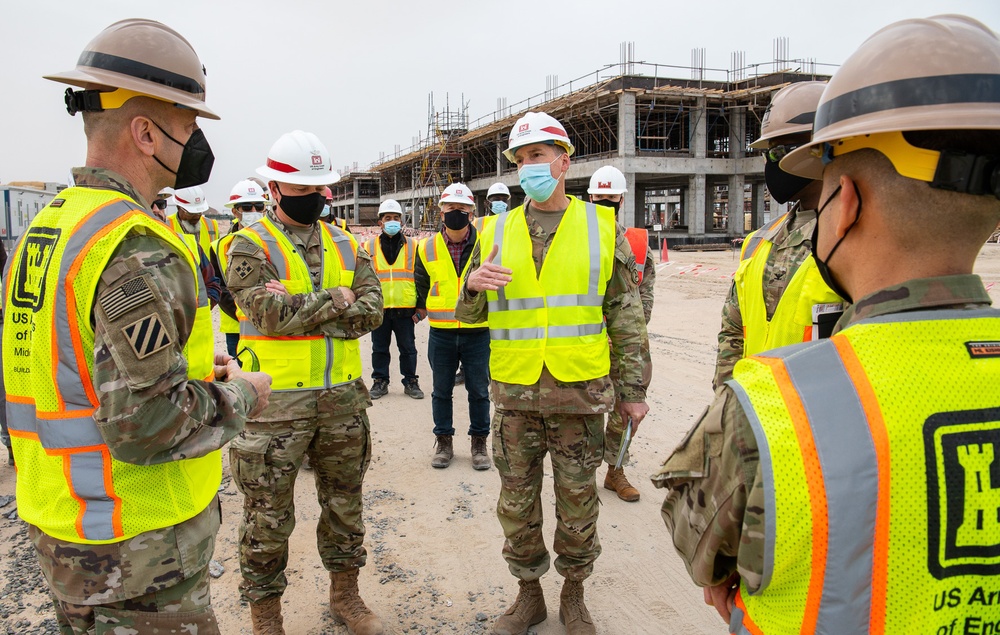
(765, 228)
(880, 441)
(748, 623)
(638, 240)
(817, 488)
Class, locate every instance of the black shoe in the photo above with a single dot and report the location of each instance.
(380, 388)
(412, 388)
(460, 376)
(10, 456)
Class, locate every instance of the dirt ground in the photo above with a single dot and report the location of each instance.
(434, 563)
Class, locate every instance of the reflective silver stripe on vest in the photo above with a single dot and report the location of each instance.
(441, 315)
(849, 465)
(736, 623)
(758, 236)
(500, 304)
(99, 507)
(395, 276)
(342, 241)
(68, 378)
(54, 434)
(591, 298)
(274, 252)
(537, 333)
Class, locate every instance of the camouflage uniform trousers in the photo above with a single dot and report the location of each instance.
(576, 443)
(265, 459)
(155, 606)
(615, 427)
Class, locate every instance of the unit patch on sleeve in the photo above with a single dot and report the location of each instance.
(129, 295)
(243, 269)
(146, 336)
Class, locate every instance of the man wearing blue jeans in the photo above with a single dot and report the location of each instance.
(438, 272)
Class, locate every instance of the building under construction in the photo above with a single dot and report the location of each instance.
(683, 145)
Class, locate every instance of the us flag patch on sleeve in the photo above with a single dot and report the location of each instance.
(129, 295)
(146, 336)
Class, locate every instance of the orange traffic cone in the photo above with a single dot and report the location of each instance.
(664, 254)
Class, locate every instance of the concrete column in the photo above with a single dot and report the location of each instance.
(737, 133)
(631, 204)
(736, 219)
(699, 129)
(355, 218)
(501, 160)
(694, 204)
(759, 196)
(626, 124)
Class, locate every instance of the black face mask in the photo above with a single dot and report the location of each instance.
(304, 209)
(823, 265)
(615, 205)
(782, 185)
(196, 163)
(456, 219)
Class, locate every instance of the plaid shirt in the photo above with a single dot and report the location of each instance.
(455, 249)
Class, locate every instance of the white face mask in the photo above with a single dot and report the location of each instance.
(249, 218)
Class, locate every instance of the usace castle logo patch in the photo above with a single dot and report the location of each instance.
(963, 492)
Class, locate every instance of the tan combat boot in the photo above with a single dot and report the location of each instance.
(480, 457)
(347, 607)
(528, 609)
(573, 612)
(266, 616)
(616, 482)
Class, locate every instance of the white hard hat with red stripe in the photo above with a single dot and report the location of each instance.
(299, 158)
(246, 192)
(537, 127)
(192, 199)
(607, 180)
(457, 193)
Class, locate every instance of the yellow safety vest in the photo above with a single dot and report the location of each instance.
(480, 222)
(556, 318)
(446, 284)
(208, 231)
(398, 288)
(304, 362)
(69, 485)
(878, 454)
(792, 321)
(221, 246)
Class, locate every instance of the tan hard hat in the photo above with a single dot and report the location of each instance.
(145, 57)
(939, 73)
(791, 111)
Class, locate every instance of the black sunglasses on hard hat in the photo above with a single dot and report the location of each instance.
(160, 203)
(248, 207)
(777, 153)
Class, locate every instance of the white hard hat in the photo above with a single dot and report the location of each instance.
(537, 127)
(166, 192)
(457, 193)
(608, 180)
(390, 207)
(498, 188)
(299, 158)
(245, 192)
(192, 199)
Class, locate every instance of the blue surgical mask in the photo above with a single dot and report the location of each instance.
(326, 211)
(498, 207)
(392, 227)
(537, 180)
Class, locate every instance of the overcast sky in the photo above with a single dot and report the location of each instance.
(358, 73)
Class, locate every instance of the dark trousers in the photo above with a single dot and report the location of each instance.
(400, 322)
(445, 349)
(232, 343)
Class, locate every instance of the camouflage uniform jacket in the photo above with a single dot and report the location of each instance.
(715, 504)
(623, 312)
(148, 413)
(792, 245)
(325, 312)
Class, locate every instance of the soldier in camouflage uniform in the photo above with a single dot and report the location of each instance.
(564, 419)
(899, 245)
(326, 422)
(787, 124)
(149, 413)
(608, 187)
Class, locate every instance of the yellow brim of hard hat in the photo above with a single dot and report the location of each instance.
(907, 159)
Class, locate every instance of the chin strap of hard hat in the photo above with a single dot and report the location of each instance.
(968, 173)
